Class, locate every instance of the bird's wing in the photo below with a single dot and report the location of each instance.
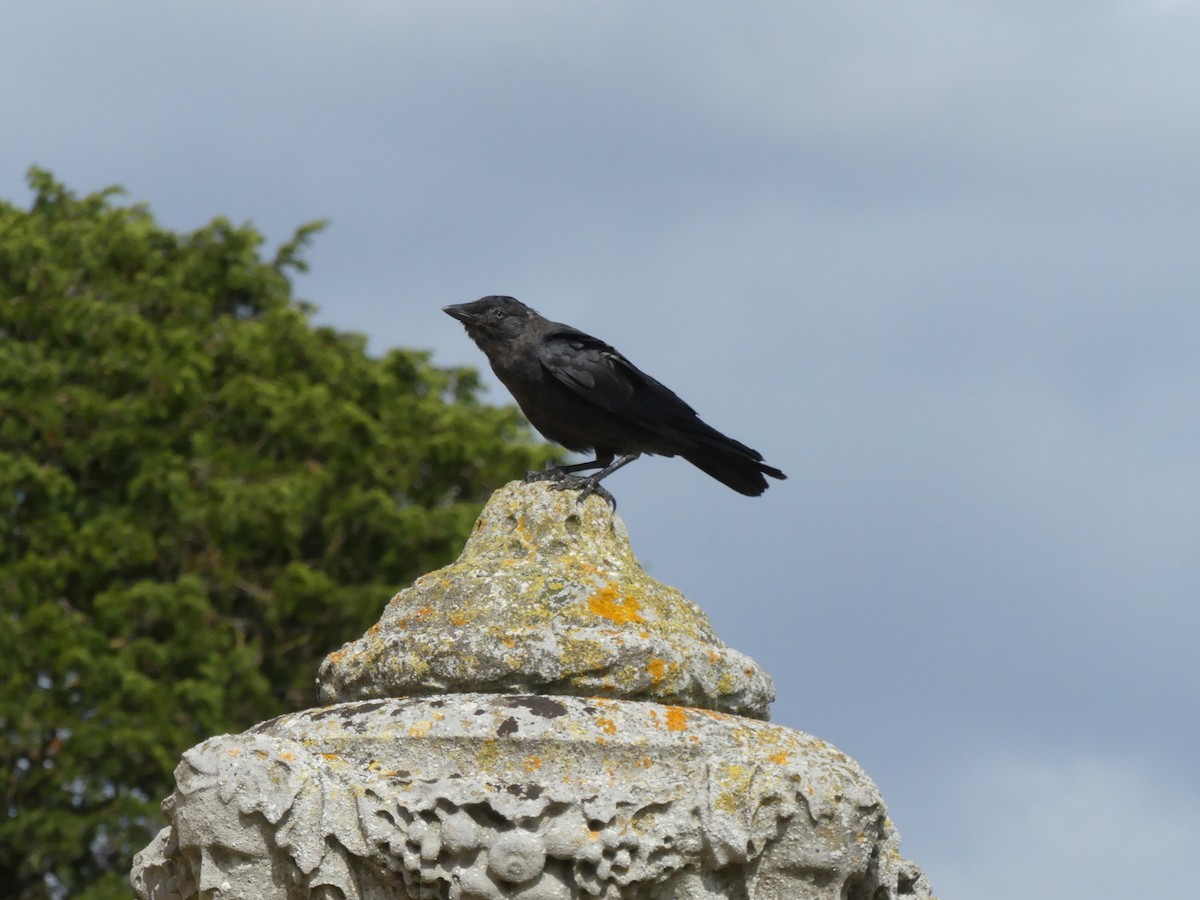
(601, 375)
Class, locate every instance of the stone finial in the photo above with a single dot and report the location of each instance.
(540, 720)
(547, 597)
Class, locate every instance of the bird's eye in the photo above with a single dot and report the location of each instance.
(496, 313)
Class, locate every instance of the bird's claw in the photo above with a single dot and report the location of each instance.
(586, 487)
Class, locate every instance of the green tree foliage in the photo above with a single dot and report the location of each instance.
(201, 494)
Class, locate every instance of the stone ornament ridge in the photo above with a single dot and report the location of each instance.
(483, 792)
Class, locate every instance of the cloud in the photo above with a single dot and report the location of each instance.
(1085, 825)
(935, 261)
(1163, 6)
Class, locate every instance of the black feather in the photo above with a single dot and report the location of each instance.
(582, 393)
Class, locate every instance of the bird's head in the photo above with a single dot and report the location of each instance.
(492, 319)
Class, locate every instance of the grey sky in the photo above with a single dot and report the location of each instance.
(938, 261)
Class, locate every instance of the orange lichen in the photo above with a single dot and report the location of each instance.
(608, 725)
(458, 619)
(532, 763)
(657, 669)
(780, 758)
(330, 756)
(610, 604)
(676, 718)
(373, 630)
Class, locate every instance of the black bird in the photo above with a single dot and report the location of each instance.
(581, 393)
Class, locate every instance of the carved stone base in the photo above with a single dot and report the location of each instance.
(485, 796)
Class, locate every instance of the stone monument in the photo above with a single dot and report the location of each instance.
(538, 720)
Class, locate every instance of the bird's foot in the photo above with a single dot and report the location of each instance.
(586, 487)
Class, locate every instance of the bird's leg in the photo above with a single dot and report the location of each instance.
(591, 484)
(563, 473)
(550, 473)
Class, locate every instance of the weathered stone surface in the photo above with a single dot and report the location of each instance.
(569, 735)
(484, 796)
(547, 597)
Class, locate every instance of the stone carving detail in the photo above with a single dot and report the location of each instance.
(673, 804)
(262, 819)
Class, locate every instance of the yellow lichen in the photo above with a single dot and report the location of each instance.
(489, 754)
(733, 785)
(609, 603)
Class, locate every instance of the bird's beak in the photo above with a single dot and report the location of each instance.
(459, 311)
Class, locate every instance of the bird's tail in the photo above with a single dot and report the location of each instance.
(742, 473)
(730, 462)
